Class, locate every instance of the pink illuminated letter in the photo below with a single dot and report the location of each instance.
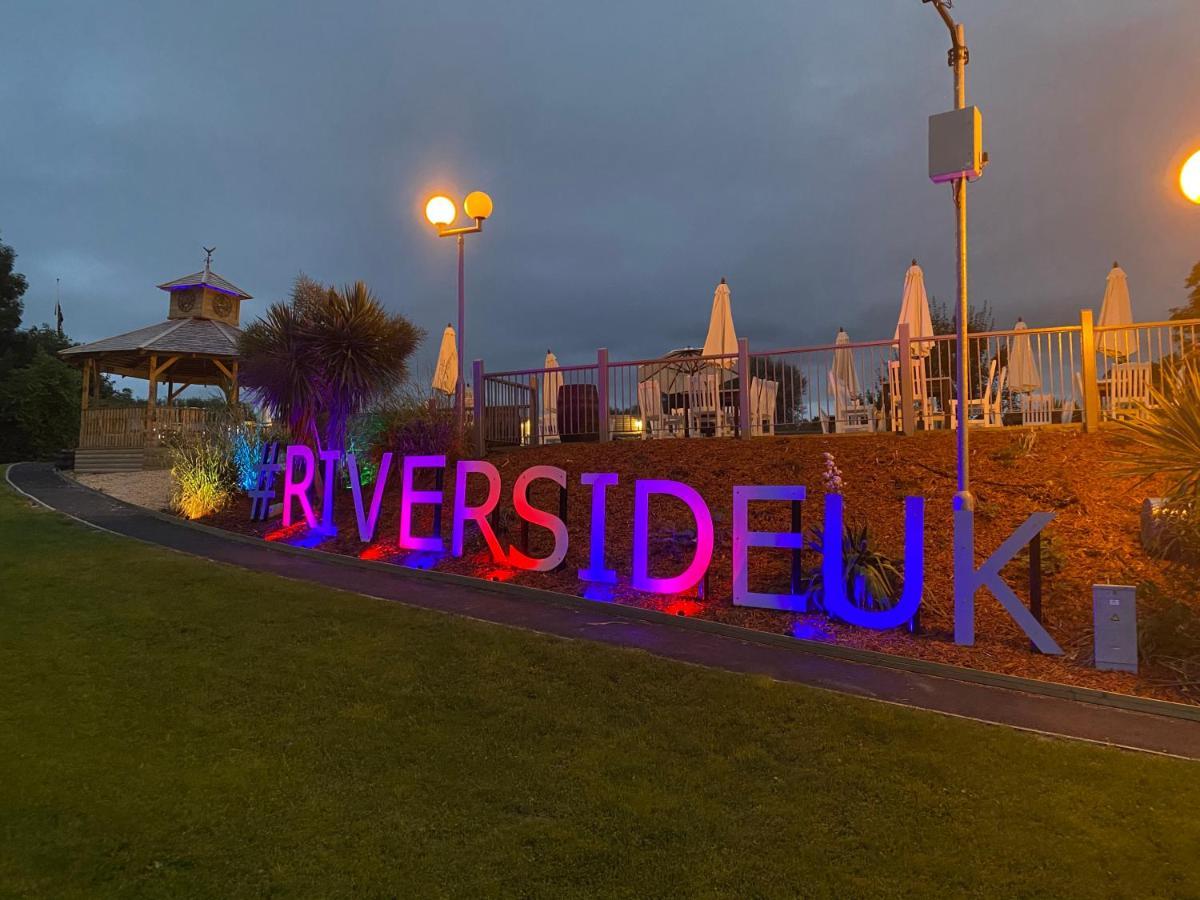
(641, 537)
(410, 496)
(744, 539)
(298, 489)
(535, 516)
(366, 524)
(477, 514)
(596, 571)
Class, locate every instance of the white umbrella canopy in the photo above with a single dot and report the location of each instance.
(843, 365)
(721, 335)
(914, 309)
(551, 382)
(1117, 310)
(445, 373)
(1023, 373)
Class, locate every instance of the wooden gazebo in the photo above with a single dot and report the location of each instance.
(196, 345)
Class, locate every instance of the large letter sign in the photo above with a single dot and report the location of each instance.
(690, 576)
(744, 539)
(833, 572)
(968, 580)
(534, 516)
(596, 570)
(301, 472)
(298, 490)
(477, 514)
(410, 496)
(366, 522)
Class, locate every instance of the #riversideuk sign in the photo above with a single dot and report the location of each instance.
(301, 466)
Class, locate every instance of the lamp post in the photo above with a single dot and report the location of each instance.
(959, 56)
(1189, 178)
(441, 212)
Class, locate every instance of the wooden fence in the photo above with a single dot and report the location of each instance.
(126, 427)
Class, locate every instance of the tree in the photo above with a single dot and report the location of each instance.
(12, 288)
(325, 355)
(39, 408)
(1192, 309)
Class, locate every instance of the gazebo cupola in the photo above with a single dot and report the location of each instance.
(205, 295)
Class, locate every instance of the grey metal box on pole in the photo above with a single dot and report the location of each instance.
(956, 145)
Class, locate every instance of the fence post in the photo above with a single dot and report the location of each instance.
(1091, 387)
(908, 415)
(745, 426)
(602, 389)
(480, 408)
(535, 413)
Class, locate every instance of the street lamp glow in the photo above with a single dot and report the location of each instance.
(440, 211)
(478, 205)
(1189, 178)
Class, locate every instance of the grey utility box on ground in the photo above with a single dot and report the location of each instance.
(1114, 612)
(956, 145)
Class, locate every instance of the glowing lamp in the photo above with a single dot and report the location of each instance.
(478, 205)
(440, 211)
(1189, 178)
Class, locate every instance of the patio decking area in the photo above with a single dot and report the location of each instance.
(1079, 374)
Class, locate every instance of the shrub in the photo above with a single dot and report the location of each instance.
(204, 475)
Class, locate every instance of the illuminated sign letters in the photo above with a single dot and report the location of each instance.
(300, 472)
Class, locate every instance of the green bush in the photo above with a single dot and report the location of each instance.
(204, 475)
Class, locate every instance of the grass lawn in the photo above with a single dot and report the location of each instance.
(169, 726)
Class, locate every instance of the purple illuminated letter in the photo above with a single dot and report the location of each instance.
(641, 537)
(366, 524)
(298, 489)
(596, 571)
(409, 497)
(744, 539)
(477, 514)
(535, 516)
(330, 459)
(833, 571)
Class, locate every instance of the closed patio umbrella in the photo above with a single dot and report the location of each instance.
(914, 309)
(445, 373)
(1023, 374)
(551, 382)
(721, 335)
(1116, 310)
(843, 365)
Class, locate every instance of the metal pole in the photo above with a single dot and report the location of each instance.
(460, 393)
(958, 59)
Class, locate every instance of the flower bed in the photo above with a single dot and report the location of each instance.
(1093, 538)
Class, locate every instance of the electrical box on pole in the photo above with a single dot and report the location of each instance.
(956, 145)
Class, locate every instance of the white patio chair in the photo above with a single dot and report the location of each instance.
(920, 394)
(762, 405)
(1037, 409)
(1067, 415)
(850, 414)
(656, 423)
(704, 401)
(1129, 390)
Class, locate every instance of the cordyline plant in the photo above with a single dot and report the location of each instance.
(324, 356)
(1165, 438)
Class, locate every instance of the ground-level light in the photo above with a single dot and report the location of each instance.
(1189, 178)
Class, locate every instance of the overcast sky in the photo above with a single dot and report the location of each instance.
(637, 151)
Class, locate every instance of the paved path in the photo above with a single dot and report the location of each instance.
(688, 640)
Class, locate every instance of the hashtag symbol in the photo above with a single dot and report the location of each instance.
(264, 483)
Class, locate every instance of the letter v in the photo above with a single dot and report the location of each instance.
(366, 524)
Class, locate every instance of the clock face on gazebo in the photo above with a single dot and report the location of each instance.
(196, 345)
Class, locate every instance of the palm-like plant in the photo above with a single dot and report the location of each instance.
(1165, 440)
(324, 356)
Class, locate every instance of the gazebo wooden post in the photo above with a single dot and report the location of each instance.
(151, 395)
(87, 385)
(233, 392)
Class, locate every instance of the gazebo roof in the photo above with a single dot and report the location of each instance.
(206, 278)
(199, 337)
